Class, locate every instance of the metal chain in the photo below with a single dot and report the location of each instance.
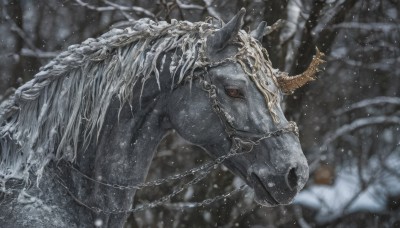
(153, 204)
(206, 167)
(161, 181)
(162, 200)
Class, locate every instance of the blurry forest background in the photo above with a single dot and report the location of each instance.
(349, 118)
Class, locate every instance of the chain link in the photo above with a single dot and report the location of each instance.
(206, 201)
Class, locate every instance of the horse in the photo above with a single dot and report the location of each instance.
(78, 139)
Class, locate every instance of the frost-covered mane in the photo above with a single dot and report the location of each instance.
(43, 120)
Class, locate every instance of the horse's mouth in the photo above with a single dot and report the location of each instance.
(262, 195)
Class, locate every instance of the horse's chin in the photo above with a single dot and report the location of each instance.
(263, 196)
(264, 202)
(267, 202)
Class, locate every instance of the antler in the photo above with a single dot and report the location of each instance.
(289, 84)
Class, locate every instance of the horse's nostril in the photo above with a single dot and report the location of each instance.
(291, 178)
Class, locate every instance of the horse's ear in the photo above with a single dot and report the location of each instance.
(223, 36)
(259, 32)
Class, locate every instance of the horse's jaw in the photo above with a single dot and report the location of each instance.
(275, 179)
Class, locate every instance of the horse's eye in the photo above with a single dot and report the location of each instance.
(235, 93)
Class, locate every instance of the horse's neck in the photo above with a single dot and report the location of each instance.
(127, 142)
(123, 152)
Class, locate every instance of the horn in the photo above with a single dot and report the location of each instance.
(259, 32)
(289, 84)
(223, 36)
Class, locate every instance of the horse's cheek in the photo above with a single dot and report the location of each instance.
(195, 120)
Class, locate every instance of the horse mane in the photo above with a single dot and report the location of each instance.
(43, 120)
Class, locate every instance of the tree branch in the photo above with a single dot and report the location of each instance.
(360, 123)
(115, 7)
(188, 6)
(32, 50)
(378, 26)
(368, 102)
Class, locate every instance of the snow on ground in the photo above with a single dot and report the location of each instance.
(346, 196)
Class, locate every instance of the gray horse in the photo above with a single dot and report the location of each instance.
(78, 139)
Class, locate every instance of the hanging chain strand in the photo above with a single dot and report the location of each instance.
(158, 182)
(204, 171)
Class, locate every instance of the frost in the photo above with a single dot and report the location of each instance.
(32, 203)
(207, 216)
(123, 145)
(189, 193)
(148, 216)
(98, 222)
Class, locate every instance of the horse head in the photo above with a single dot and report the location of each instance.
(234, 106)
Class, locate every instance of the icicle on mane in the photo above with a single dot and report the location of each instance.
(43, 120)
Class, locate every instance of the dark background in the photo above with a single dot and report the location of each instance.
(349, 118)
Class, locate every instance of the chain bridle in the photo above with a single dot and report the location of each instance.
(242, 137)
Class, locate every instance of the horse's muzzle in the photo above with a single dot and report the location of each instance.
(273, 189)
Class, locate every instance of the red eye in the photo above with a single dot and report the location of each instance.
(235, 93)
